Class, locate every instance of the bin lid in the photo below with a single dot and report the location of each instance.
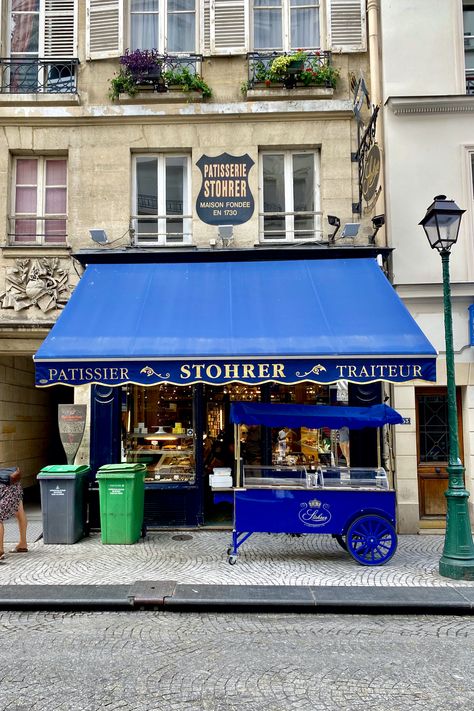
(68, 470)
(124, 469)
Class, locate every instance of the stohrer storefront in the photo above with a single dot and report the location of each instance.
(167, 346)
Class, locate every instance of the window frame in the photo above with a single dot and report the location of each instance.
(163, 28)
(162, 239)
(286, 8)
(40, 216)
(289, 200)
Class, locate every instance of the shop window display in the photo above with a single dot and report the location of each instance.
(159, 431)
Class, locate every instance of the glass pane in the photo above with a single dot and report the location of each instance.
(175, 177)
(303, 182)
(55, 202)
(304, 227)
(55, 172)
(268, 32)
(147, 228)
(144, 31)
(174, 230)
(304, 28)
(26, 171)
(25, 5)
(24, 77)
(180, 5)
(24, 34)
(55, 230)
(472, 172)
(181, 32)
(274, 227)
(25, 201)
(25, 230)
(147, 186)
(273, 183)
(433, 428)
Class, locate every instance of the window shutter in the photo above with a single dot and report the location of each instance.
(205, 28)
(346, 25)
(104, 29)
(60, 29)
(229, 26)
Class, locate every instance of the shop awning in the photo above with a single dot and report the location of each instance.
(312, 416)
(251, 322)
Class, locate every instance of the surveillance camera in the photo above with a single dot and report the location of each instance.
(334, 221)
(378, 221)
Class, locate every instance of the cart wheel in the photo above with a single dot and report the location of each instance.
(232, 559)
(229, 550)
(340, 540)
(371, 540)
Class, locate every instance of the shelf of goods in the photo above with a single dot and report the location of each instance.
(171, 463)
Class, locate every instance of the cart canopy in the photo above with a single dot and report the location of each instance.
(313, 416)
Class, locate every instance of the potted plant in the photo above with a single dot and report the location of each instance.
(287, 64)
(142, 64)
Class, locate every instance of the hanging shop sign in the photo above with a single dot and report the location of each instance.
(252, 372)
(370, 172)
(225, 197)
(72, 422)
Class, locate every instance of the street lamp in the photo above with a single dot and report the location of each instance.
(441, 224)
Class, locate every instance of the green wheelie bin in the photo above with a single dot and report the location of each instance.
(63, 502)
(121, 502)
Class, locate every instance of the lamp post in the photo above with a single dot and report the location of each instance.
(441, 224)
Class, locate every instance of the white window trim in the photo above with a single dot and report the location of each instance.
(162, 238)
(40, 202)
(163, 28)
(289, 213)
(42, 14)
(286, 29)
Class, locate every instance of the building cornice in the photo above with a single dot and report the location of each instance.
(459, 103)
(143, 114)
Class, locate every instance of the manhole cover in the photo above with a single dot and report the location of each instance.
(182, 537)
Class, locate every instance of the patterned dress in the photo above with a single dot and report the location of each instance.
(10, 498)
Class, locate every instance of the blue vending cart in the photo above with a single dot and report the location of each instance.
(355, 505)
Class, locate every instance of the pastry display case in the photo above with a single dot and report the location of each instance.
(167, 462)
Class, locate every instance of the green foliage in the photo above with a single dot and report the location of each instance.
(187, 81)
(127, 83)
(314, 71)
(122, 83)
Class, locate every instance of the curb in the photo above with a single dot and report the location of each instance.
(171, 596)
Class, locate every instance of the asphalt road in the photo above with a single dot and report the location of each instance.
(153, 661)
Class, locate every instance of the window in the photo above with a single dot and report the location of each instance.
(39, 214)
(472, 173)
(290, 196)
(166, 25)
(286, 24)
(468, 16)
(162, 209)
(41, 31)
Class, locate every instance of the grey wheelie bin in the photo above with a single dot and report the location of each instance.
(63, 503)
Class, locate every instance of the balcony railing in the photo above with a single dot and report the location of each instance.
(38, 76)
(470, 82)
(44, 229)
(170, 63)
(259, 68)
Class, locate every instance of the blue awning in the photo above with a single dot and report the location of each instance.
(250, 322)
(312, 416)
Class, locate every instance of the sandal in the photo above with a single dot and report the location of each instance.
(19, 550)
(2, 558)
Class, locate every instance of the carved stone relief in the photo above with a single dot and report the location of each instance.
(36, 282)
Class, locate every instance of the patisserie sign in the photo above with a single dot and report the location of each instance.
(225, 197)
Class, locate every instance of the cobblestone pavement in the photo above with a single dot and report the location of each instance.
(201, 559)
(208, 662)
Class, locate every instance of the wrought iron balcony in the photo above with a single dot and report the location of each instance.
(470, 82)
(317, 70)
(38, 76)
(158, 77)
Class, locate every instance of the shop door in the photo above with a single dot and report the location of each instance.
(432, 448)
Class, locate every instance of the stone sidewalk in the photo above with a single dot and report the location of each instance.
(190, 568)
(173, 565)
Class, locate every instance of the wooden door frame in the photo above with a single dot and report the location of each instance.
(437, 390)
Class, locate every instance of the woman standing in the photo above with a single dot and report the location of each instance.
(11, 504)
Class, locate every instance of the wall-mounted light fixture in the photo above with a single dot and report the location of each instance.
(334, 222)
(350, 229)
(225, 234)
(377, 222)
(100, 236)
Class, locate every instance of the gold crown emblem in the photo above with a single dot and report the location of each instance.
(314, 503)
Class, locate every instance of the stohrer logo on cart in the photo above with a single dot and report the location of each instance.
(314, 513)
